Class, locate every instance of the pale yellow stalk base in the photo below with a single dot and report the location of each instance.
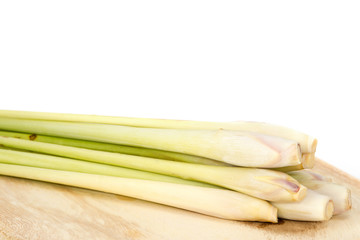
(314, 207)
(340, 195)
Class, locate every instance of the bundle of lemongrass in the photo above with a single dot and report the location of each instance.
(239, 170)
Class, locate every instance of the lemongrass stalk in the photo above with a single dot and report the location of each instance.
(60, 163)
(307, 174)
(108, 147)
(219, 203)
(57, 163)
(261, 183)
(340, 195)
(314, 207)
(308, 143)
(234, 147)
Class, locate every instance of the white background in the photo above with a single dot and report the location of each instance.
(293, 63)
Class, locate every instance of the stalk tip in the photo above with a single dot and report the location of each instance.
(301, 194)
(329, 210)
(313, 145)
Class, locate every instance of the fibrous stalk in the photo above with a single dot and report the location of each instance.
(11, 156)
(308, 144)
(210, 201)
(234, 147)
(108, 147)
(314, 207)
(265, 184)
(340, 195)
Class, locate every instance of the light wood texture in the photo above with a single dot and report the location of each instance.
(36, 210)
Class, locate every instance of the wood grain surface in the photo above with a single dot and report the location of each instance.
(37, 210)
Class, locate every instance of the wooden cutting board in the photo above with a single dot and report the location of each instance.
(36, 210)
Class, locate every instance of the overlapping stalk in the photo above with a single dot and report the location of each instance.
(309, 175)
(340, 195)
(234, 147)
(261, 183)
(108, 147)
(308, 144)
(314, 207)
(210, 201)
(294, 211)
(127, 156)
(11, 156)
